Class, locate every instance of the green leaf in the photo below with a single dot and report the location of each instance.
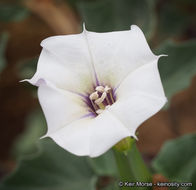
(53, 169)
(104, 165)
(12, 12)
(108, 15)
(3, 44)
(27, 68)
(177, 159)
(179, 67)
(176, 17)
(193, 180)
(113, 186)
(27, 143)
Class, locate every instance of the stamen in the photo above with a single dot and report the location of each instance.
(94, 96)
(94, 105)
(100, 100)
(101, 106)
(107, 89)
(111, 97)
(100, 89)
(108, 101)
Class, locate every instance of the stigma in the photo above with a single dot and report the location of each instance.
(101, 99)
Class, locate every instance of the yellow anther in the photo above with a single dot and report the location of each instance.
(100, 89)
(101, 99)
(94, 96)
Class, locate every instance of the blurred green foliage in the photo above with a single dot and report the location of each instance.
(177, 159)
(179, 67)
(27, 143)
(113, 186)
(27, 68)
(109, 15)
(3, 44)
(176, 17)
(104, 165)
(52, 169)
(12, 12)
(193, 179)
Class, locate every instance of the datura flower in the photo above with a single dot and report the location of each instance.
(95, 89)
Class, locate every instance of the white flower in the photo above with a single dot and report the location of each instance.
(96, 88)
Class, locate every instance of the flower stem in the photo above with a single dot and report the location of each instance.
(132, 167)
(124, 168)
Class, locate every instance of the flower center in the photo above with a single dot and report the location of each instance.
(101, 99)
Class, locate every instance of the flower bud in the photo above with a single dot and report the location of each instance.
(125, 144)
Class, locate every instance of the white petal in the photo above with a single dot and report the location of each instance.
(116, 54)
(74, 137)
(135, 109)
(65, 61)
(145, 79)
(139, 96)
(91, 137)
(107, 130)
(60, 107)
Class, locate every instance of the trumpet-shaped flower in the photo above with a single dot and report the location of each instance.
(96, 88)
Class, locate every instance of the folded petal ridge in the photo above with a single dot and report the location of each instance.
(118, 53)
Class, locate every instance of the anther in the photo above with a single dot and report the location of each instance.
(101, 99)
(107, 89)
(94, 96)
(100, 89)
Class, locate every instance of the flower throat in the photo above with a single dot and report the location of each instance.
(101, 99)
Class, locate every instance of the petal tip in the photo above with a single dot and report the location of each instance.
(34, 81)
(162, 55)
(135, 137)
(84, 28)
(165, 100)
(25, 80)
(44, 136)
(134, 27)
